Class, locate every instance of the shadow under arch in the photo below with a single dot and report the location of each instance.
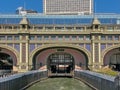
(45, 47)
(60, 62)
(9, 55)
(111, 57)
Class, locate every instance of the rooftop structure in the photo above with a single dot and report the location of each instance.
(61, 19)
(22, 11)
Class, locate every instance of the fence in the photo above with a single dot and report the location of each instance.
(96, 80)
(19, 81)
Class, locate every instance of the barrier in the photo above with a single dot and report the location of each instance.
(96, 80)
(19, 81)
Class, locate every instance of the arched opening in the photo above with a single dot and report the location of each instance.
(112, 59)
(44, 57)
(115, 62)
(60, 62)
(6, 62)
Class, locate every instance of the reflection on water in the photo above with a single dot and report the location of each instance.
(60, 84)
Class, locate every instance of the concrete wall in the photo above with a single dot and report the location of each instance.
(19, 81)
(96, 80)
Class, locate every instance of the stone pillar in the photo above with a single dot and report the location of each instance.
(93, 52)
(20, 49)
(20, 53)
(27, 52)
(96, 52)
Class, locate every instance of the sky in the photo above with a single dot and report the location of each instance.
(101, 6)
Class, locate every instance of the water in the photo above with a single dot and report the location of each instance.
(60, 84)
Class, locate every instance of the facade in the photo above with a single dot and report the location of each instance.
(60, 42)
(68, 6)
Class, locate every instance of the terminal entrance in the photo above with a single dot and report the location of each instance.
(60, 62)
(6, 62)
(115, 62)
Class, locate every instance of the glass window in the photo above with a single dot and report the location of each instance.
(69, 28)
(110, 28)
(118, 27)
(109, 37)
(39, 37)
(79, 28)
(103, 37)
(16, 37)
(60, 37)
(116, 37)
(59, 28)
(9, 37)
(67, 37)
(74, 37)
(32, 37)
(2, 37)
(53, 37)
(81, 37)
(88, 37)
(46, 37)
(49, 28)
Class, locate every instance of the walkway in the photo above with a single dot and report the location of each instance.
(60, 84)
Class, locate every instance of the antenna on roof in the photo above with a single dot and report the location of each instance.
(94, 8)
(24, 5)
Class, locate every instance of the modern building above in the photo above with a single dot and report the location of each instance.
(68, 7)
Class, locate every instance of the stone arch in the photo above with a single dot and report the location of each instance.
(76, 47)
(107, 50)
(13, 52)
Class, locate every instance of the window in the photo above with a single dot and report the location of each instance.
(79, 28)
(60, 37)
(59, 28)
(81, 37)
(110, 28)
(67, 37)
(2, 37)
(32, 37)
(46, 37)
(88, 37)
(103, 37)
(116, 37)
(16, 37)
(74, 37)
(53, 37)
(39, 37)
(9, 37)
(109, 37)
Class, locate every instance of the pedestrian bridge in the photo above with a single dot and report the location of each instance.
(21, 81)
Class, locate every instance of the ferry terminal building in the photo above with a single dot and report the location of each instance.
(59, 43)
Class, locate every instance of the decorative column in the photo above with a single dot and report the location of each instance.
(27, 52)
(99, 51)
(20, 49)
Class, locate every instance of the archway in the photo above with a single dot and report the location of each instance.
(60, 62)
(8, 59)
(41, 56)
(6, 62)
(112, 59)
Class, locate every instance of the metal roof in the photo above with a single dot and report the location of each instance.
(59, 19)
